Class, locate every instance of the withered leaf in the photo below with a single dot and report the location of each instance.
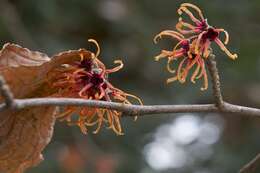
(25, 133)
(12, 55)
(21, 68)
(25, 70)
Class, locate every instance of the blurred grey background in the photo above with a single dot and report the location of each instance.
(183, 143)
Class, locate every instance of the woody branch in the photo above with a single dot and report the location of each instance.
(219, 106)
(224, 106)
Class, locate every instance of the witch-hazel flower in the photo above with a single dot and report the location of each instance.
(200, 28)
(184, 53)
(88, 79)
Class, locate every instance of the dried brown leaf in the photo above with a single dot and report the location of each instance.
(67, 57)
(25, 70)
(23, 136)
(25, 133)
(12, 55)
(21, 69)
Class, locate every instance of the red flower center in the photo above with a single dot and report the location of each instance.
(185, 45)
(203, 25)
(83, 80)
(193, 56)
(96, 80)
(86, 64)
(211, 34)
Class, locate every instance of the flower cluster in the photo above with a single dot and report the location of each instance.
(88, 79)
(194, 45)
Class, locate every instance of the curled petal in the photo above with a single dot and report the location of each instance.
(206, 50)
(203, 74)
(117, 127)
(193, 62)
(185, 24)
(135, 97)
(97, 45)
(179, 27)
(115, 69)
(121, 98)
(80, 72)
(189, 29)
(205, 77)
(88, 86)
(188, 12)
(102, 94)
(172, 79)
(198, 42)
(65, 115)
(100, 120)
(164, 53)
(195, 8)
(100, 64)
(115, 122)
(223, 47)
(173, 34)
(226, 35)
(169, 65)
(138, 99)
(180, 72)
(177, 46)
(195, 73)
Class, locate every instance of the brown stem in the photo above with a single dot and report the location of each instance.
(251, 166)
(6, 93)
(212, 66)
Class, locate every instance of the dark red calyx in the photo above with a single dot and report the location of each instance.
(185, 45)
(203, 25)
(193, 56)
(96, 80)
(211, 34)
(86, 64)
(84, 80)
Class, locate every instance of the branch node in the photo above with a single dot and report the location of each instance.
(6, 94)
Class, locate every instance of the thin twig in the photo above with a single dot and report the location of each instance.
(226, 107)
(6, 93)
(129, 109)
(212, 66)
(251, 166)
(134, 109)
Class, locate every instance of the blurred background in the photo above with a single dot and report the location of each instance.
(183, 143)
